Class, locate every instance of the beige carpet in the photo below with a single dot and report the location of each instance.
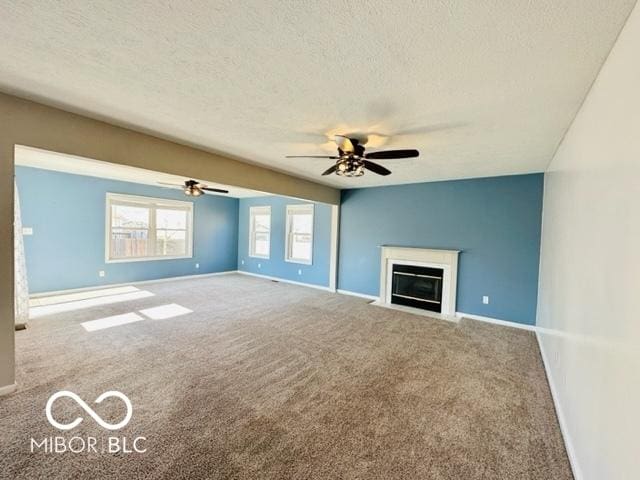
(269, 380)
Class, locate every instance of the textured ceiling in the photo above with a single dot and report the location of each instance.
(481, 88)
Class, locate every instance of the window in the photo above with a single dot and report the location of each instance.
(144, 228)
(299, 234)
(259, 232)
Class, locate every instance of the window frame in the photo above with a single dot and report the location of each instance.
(253, 211)
(153, 204)
(307, 208)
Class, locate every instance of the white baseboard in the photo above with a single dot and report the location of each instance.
(356, 294)
(571, 453)
(140, 282)
(284, 280)
(7, 389)
(496, 321)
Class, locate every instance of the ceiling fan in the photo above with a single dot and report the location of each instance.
(194, 188)
(352, 161)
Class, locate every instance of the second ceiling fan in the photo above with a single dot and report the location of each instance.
(193, 188)
(352, 161)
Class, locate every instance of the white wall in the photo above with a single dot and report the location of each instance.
(589, 299)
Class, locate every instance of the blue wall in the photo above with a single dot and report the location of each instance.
(276, 266)
(67, 213)
(494, 221)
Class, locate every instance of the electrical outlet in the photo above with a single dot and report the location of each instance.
(197, 265)
(241, 262)
(299, 272)
(101, 273)
(27, 231)
(259, 265)
(485, 299)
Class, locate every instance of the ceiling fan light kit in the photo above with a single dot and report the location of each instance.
(350, 168)
(352, 161)
(193, 191)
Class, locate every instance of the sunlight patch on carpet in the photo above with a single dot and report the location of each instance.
(165, 311)
(71, 297)
(108, 322)
(36, 312)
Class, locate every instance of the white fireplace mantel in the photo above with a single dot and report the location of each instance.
(447, 260)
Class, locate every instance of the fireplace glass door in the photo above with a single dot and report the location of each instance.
(416, 286)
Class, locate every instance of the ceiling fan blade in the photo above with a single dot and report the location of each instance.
(390, 154)
(333, 157)
(330, 170)
(375, 168)
(172, 184)
(345, 144)
(217, 190)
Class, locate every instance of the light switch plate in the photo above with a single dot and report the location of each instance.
(27, 231)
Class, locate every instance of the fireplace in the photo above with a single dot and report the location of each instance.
(418, 287)
(420, 279)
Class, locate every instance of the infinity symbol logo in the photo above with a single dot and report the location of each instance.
(89, 410)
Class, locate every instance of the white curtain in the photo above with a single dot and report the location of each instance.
(21, 286)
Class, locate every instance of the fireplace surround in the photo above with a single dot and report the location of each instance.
(421, 279)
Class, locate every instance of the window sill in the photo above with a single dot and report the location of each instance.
(145, 259)
(299, 262)
(259, 256)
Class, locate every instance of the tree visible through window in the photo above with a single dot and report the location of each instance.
(259, 232)
(299, 234)
(142, 228)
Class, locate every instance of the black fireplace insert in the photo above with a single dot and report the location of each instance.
(416, 286)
